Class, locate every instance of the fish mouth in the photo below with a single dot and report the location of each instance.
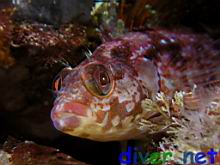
(84, 124)
(67, 116)
(66, 123)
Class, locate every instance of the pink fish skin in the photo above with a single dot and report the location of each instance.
(100, 99)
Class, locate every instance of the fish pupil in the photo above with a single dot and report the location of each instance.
(104, 79)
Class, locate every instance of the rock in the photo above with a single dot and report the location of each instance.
(15, 152)
(54, 12)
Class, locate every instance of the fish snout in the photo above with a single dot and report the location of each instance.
(67, 116)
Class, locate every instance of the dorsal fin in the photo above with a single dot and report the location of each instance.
(190, 60)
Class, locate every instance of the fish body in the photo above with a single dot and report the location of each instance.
(100, 99)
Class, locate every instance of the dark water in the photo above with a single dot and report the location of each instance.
(26, 96)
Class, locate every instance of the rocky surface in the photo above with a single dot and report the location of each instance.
(14, 152)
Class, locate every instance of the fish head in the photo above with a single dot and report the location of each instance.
(101, 100)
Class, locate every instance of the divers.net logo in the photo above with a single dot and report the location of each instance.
(135, 155)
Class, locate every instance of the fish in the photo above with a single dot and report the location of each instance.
(100, 99)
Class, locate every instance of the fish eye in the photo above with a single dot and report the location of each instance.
(97, 79)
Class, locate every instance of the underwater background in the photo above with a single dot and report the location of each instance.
(38, 38)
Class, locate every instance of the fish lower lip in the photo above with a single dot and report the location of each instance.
(67, 116)
(66, 122)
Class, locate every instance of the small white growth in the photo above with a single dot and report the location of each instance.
(127, 121)
(106, 107)
(122, 98)
(4, 158)
(115, 121)
(88, 54)
(141, 50)
(133, 87)
(134, 55)
(75, 94)
(128, 91)
(89, 113)
(137, 97)
(100, 104)
(95, 107)
(75, 90)
(101, 101)
(105, 101)
(16, 2)
(105, 120)
(130, 107)
(59, 107)
(61, 123)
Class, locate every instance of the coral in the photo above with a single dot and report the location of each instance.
(194, 120)
(162, 109)
(105, 16)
